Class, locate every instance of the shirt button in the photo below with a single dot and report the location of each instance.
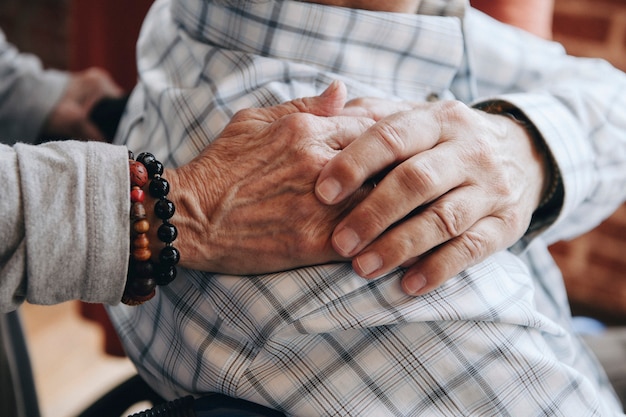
(432, 97)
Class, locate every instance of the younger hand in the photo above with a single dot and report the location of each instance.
(454, 185)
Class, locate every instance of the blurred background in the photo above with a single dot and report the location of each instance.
(69, 352)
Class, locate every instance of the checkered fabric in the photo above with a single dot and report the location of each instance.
(316, 341)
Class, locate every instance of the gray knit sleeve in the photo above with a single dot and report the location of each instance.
(28, 94)
(64, 226)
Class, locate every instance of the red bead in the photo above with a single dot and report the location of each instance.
(137, 195)
(138, 173)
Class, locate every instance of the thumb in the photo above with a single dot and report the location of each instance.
(329, 103)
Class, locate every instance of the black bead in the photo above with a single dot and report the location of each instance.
(145, 158)
(159, 187)
(164, 209)
(141, 286)
(143, 269)
(154, 168)
(169, 256)
(165, 275)
(167, 232)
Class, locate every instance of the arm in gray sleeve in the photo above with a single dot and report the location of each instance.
(64, 230)
(27, 94)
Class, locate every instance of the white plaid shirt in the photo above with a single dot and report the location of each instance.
(494, 340)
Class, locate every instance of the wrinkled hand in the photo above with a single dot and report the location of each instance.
(455, 186)
(247, 204)
(70, 117)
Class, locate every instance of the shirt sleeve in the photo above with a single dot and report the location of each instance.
(64, 229)
(577, 104)
(27, 94)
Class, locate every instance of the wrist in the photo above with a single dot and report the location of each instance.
(550, 194)
(148, 186)
(194, 194)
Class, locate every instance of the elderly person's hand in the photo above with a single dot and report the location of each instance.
(70, 117)
(249, 204)
(454, 185)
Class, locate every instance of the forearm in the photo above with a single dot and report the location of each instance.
(574, 104)
(540, 167)
(28, 94)
(64, 234)
(588, 166)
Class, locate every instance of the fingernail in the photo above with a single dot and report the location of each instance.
(369, 263)
(346, 241)
(413, 283)
(329, 189)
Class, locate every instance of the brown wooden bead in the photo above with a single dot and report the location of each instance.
(138, 173)
(141, 226)
(130, 301)
(135, 300)
(137, 211)
(141, 254)
(144, 298)
(141, 241)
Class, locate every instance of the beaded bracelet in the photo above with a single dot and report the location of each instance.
(143, 274)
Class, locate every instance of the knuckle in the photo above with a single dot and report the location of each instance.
(473, 245)
(450, 219)
(296, 122)
(407, 246)
(244, 115)
(298, 128)
(389, 137)
(503, 189)
(515, 221)
(361, 102)
(452, 111)
(417, 177)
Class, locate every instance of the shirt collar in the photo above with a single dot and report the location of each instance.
(407, 55)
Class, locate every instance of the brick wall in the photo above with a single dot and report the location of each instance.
(595, 28)
(595, 265)
(39, 27)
